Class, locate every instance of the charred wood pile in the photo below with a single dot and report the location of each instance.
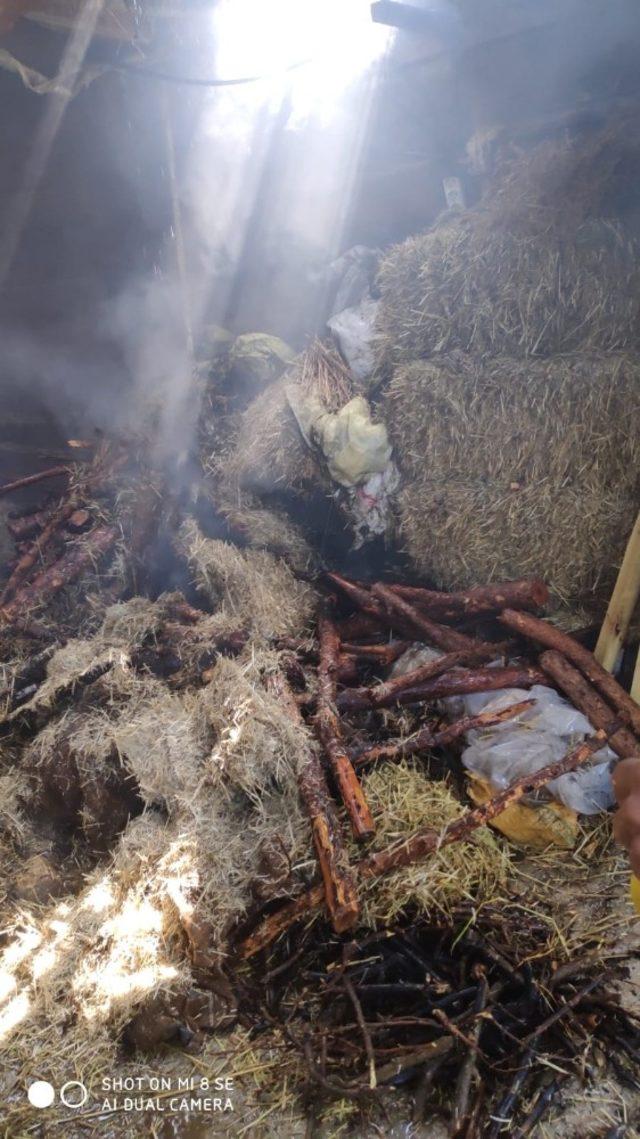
(266, 765)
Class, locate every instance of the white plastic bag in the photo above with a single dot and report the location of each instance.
(538, 736)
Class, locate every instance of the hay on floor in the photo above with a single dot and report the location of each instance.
(404, 799)
(515, 468)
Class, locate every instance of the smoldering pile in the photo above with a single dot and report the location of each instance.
(186, 778)
(509, 334)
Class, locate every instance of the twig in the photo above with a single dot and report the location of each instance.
(30, 480)
(468, 1068)
(502, 1117)
(368, 1046)
(544, 1101)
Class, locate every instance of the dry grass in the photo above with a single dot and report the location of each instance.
(403, 800)
(515, 468)
(251, 589)
(268, 529)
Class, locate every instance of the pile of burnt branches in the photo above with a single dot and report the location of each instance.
(106, 501)
(449, 1012)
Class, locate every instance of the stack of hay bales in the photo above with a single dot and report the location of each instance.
(508, 339)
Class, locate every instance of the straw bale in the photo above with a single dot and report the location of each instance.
(544, 264)
(515, 468)
(473, 284)
(270, 456)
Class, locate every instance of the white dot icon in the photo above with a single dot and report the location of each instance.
(41, 1093)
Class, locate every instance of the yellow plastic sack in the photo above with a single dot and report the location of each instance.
(545, 824)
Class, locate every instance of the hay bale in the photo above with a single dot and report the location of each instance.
(473, 284)
(270, 456)
(516, 468)
(542, 265)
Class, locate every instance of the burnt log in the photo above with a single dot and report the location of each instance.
(584, 697)
(462, 682)
(338, 889)
(531, 594)
(552, 638)
(329, 731)
(77, 559)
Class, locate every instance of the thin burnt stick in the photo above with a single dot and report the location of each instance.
(564, 1009)
(584, 697)
(366, 1036)
(452, 1028)
(378, 654)
(329, 731)
(542, 1104)
(68, 568)
(427, 841)
(426, 738)
(339, 1090)
(458, 682)
(383, 695)
(531, 594)
(436, 1049)
(339, 888)
(469, 1066)
(502, 1116)
(472, 1129)
(442, 636)
(426, 1083)
(548, 635)
(30, 480)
